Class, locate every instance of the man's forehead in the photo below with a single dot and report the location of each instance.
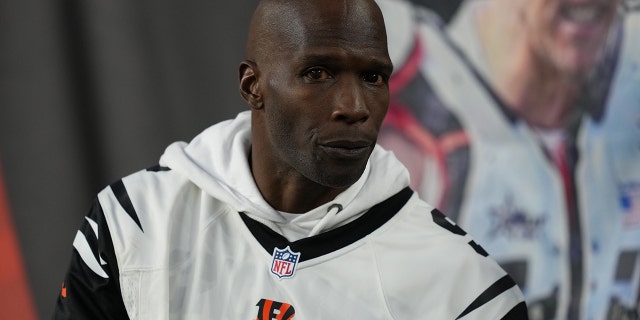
(327, 26)
(332, 48)
(293, 25)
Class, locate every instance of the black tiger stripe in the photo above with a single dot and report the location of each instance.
(122, 195)
(519, 312)
(158, 168)
(90, 235)
(503, 284)
(440, 219)
(478, 248)
(87, 295)
(335, 239)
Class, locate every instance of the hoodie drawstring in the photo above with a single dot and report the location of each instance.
(332, 211)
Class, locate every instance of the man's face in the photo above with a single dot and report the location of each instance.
(326, 93)
(569, 33)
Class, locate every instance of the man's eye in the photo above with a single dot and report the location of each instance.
(373, 77)
(318, 74)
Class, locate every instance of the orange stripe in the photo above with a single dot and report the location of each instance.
(15, 297)
(283, 311)
(63, 291)
(266, 309)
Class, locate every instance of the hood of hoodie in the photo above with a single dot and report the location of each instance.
(217, 161)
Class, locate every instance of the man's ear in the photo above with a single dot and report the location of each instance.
(249, 89)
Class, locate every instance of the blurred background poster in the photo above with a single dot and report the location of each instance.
(94, 90)
(520, 120)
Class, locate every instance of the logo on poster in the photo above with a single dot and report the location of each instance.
(509, 220)
(630, 203)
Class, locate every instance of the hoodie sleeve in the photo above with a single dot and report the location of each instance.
(91, 288)
(499, 299)
(435, 268)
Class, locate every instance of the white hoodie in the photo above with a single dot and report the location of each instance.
(196, 240)
(217, 161)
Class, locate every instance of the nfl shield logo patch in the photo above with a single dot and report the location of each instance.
(284, 262)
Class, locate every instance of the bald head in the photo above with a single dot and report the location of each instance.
(316, 78)
(280, 25)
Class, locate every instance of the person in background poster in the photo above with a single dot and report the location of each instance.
(521, 120)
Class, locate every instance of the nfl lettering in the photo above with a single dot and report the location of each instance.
(284, 262)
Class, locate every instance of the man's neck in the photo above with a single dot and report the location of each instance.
(289, 191)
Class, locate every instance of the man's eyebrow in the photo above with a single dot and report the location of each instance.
(319, 58)
(385, 66)
(326, 59)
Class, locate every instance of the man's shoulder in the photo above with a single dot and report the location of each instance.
(437, 235)
(426, 236)
(153, 187)
(157, 176)
(153, 184)
(434, 259)
(148, 206)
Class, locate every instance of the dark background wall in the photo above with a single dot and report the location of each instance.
(93, 90)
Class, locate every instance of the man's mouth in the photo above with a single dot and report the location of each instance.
(346, 149)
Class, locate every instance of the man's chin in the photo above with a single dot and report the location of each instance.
(340, 179)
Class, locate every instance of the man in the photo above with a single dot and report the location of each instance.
(521, 119)
(289, 210)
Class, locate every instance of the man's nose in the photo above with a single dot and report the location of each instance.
(350, 103)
